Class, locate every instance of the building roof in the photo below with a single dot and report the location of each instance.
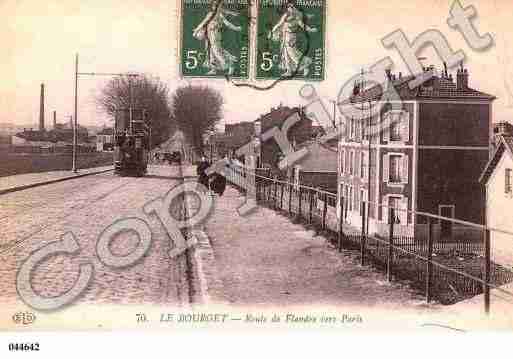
(505, 145)
(278, 115)
(437, 87)
(106, 131)
(320, 158)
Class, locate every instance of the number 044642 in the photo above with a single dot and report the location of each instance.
(29, 347)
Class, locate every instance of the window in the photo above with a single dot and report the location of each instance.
(395, 168)
(507, 181)
(395, 131)
(397, 126)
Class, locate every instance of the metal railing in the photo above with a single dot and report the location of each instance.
(448, 270)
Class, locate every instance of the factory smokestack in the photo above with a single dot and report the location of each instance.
(54, 120)
(42, 109)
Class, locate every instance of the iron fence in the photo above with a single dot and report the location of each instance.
(444, 269)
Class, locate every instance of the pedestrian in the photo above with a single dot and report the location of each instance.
(218, 184)
(201, 172)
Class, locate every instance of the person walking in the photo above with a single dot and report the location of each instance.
(201, 172)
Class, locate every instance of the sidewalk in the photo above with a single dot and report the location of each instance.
(264, 259)
(29, 180)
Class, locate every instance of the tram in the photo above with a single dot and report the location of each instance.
(131, 142)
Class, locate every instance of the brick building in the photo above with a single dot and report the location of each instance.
(429, 159)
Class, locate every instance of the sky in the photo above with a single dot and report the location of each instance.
(39, 40)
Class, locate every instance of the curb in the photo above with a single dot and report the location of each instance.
(32, 185)
(205, 282)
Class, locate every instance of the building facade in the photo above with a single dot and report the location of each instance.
(497, 179)
(427, 157)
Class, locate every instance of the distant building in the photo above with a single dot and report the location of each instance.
(497, 179)
(500, 129)
(234, 137)
(58, 134)
(318, 168)
(299, 133)
(428, 160)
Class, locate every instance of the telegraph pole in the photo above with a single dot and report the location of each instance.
(75, 121)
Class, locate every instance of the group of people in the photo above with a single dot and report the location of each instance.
(214, 182)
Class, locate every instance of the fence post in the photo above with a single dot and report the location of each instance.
(281, 195)
(391, 217)
(290, 198)
(324, 211)
(486, 286)
(429, 265)
(311, 195)
(340, 226)
(275, 199)
(300, 198)
(362, 240)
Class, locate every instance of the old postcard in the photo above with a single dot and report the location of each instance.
(256, 164)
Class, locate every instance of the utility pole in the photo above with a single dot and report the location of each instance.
(369, 124)
(75, 123)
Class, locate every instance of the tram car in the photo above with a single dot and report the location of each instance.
(131, 143)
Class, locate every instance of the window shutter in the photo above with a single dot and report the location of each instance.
(405, 126)
(404, 170)
(386, 168)
(341, 160)
(386, 130)
(356, 163)
(403, 215)
(347, 160)
(356, 200)
(366, 170)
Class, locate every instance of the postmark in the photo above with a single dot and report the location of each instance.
(291, 40)
(215, 39)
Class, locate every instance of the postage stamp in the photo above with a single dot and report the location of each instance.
(215, 38)
(291, 39)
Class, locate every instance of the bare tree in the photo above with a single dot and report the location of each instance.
(145, 93)
(197, 110)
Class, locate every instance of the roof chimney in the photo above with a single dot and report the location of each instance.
(389, 74)
(42, 109)
(356, 89)
(462, 78)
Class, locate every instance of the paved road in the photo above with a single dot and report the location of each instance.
(86, 206)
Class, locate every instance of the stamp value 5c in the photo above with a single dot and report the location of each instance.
(215, 38)
(290, 39)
